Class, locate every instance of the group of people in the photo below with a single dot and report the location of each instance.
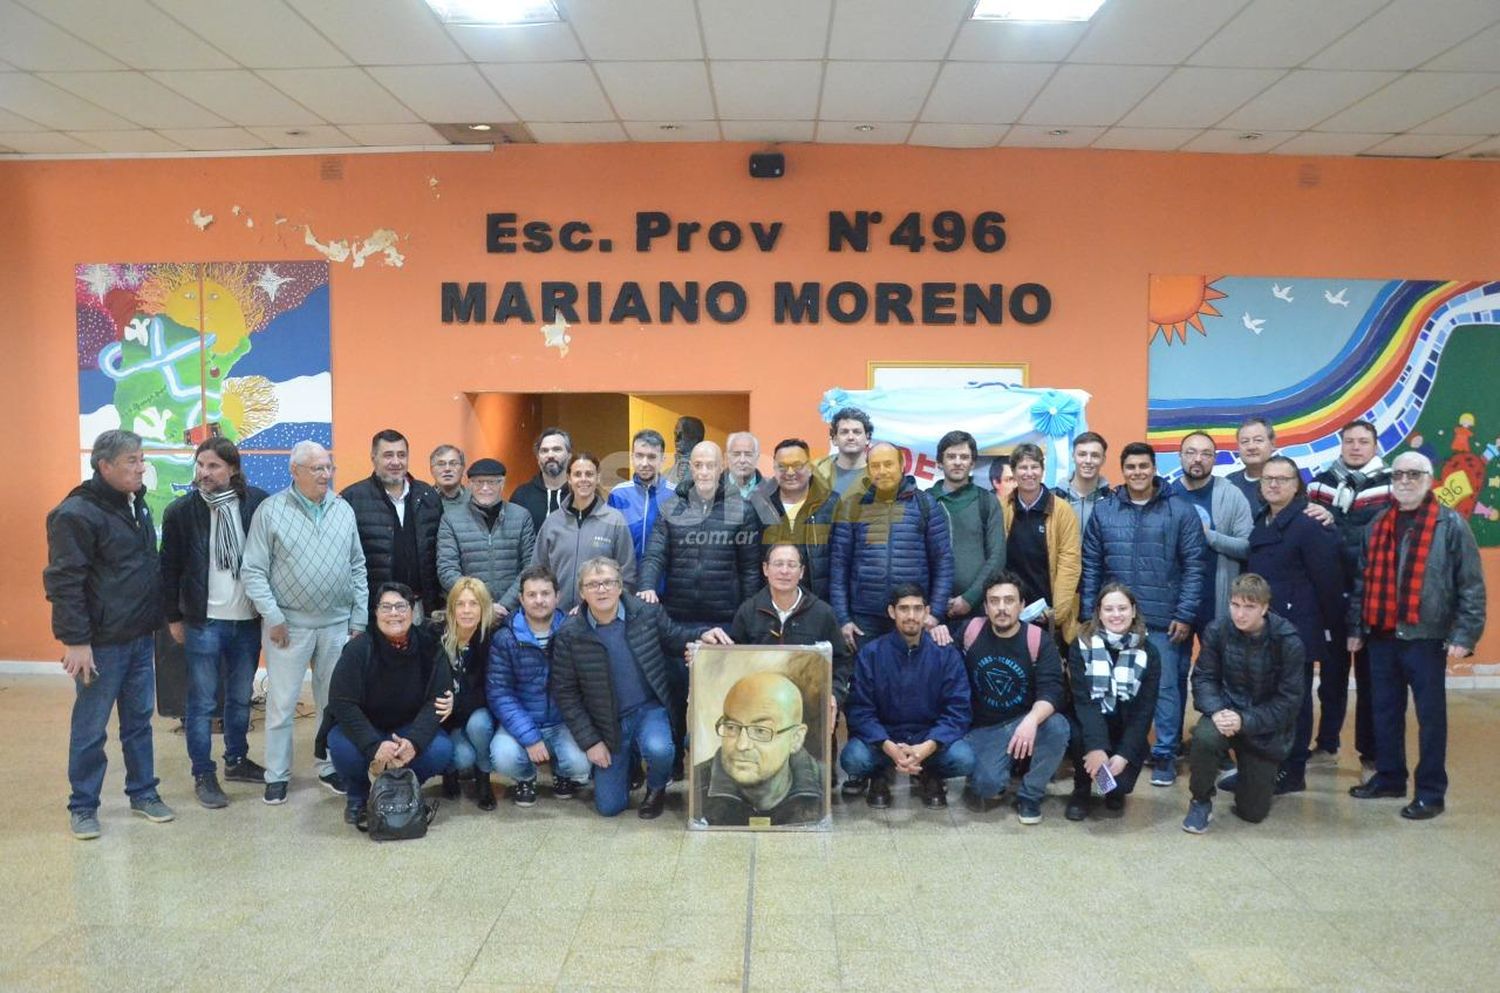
(980, 631)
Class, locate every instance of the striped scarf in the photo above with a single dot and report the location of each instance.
(1112, 678)
(228, 541)
(1391, 599)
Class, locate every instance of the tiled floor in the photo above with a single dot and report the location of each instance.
(1329, 894)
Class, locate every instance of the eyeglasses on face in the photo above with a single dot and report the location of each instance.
(1408, 475)
(759, 733)
(316, 470)
(598, 585)
(1279, 480)
(448, 464)
(394, 609)
(790, 467)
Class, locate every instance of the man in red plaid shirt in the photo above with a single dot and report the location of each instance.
(1418, 601)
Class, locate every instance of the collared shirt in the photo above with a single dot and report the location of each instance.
(399, 501)
(315, 510)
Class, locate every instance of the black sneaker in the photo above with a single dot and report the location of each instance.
(206, 789)
(1287, 782)
(1078, 805)
(879, 793)
(354, 810)
(934, 792)
(244, 771)
(1028, 811)
(854, 786)
(565, 789)
(524, 793)
(334, 783)
(275, 793)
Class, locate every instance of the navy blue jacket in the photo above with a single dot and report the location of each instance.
(1155, 549)
(878, 544)
(1303, 562)
(516, 684)
(908, 695)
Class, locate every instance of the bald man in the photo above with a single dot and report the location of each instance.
(761, 774)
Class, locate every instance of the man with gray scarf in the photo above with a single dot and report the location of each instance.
(1355, 488)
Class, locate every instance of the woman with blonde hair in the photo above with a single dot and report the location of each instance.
(465, 635)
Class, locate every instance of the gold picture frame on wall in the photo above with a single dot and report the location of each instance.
(942, 374)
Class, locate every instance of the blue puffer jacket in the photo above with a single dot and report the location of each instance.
(1155, 549)
(516, 685)
(878, 544)
(908, 695)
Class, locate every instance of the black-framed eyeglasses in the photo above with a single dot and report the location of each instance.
(759, 733)
(398, 608)
(1408, 475)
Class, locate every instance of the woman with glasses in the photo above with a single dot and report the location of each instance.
(465, 636)
(381, 711)
(1300, 558)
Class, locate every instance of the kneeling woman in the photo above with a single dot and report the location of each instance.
(382, 701)
(465, 636)
(1115, 673)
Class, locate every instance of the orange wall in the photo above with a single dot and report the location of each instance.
(1091, 225)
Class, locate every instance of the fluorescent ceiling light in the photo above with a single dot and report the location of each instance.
(498, 13)
(1035, 10)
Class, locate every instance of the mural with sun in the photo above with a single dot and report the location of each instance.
(1417, 358)
(179, 352)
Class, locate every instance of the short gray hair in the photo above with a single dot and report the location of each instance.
(110, 445)
(302, 449)
(462, 458)
(1423, 462)
(729, 442)
(599, 563)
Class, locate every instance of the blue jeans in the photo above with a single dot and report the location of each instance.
(1171, 697)
(471, 743)
(568, 761)
(1395, 665)
(126, 679)
(354, 768)
(650, 730)
(861, 761)
(992, 763)
(238, 644)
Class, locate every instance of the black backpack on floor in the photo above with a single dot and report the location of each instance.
(396, 810)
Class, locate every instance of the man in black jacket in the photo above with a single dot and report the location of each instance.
(783, 612)
(611, 675)
(796, 506)
(1248, 686)
(548, 489)
(209, 613)
(398, 517)
(104, 583)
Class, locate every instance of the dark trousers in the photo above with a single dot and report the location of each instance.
(1255, 784)
(1295, 763)
(1082, 783)
(1333, 695)
(1421, 666)
(354, 768)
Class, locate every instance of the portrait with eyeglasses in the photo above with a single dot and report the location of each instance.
(759, 737)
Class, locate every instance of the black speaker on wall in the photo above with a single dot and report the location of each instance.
(767, 165)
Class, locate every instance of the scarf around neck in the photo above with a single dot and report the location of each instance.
(1113, 665)
(1352, 481)
(228, 540)
(1389, 601)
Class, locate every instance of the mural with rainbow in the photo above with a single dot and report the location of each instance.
(1418, 358)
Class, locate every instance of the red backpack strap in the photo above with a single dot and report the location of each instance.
(1034, 642)
(971, 632)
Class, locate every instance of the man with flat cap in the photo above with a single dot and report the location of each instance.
(487, 537)
(761, 773)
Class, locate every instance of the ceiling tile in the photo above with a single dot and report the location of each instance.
(316, 136)
(895, 29)
(15, 122)
(344, 96)
(136, 96)
(1093, 94)
(755, 91)
(551, 133)
(1424, 145)
(672, 130)
(1009, 41)
(1304, 97)
(849, 133)
(45, 143)
(1407, 33)
(46, 104)
(984, 92)
(1152, 32)
(29, 42)
(1146, 139)
(1410, 100)
(1487, 149)
(127, 142)
(876, 91)
(658, 91)
(400, 33)
(766, 29)
(1281, 33)
(1480, 116)
(1481, 53)
(1311, 143)
(1198, 97)
(1234, 142)
(134, 32)
(768, 131)
(958, 135)
(636, 29)
(276, 37)
(550, 91)
(444, 93)
(1033, 136)
(238, 95)
(393, 134)
(519, 43)
(215, 139)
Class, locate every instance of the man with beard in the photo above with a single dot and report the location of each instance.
(398, 518)
(1227, 523)
(548, 489)
(761, 772)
